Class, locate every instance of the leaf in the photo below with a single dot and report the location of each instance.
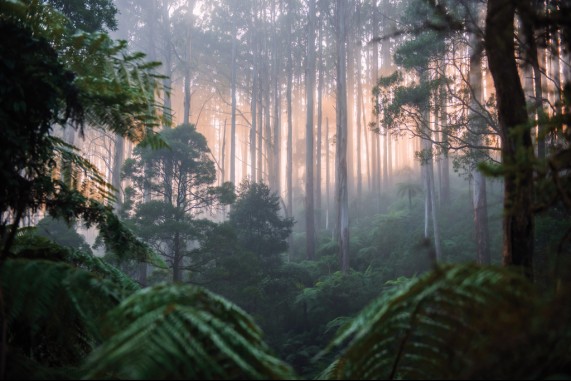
(171, 331)
(457, 322)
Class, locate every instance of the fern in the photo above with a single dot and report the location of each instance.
(30, 246)
(456, 322)
(171, 331)
(53, 314)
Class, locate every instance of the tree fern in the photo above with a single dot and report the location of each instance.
(456, 322)
(171, 331)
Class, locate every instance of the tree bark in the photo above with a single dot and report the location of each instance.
(479, 197)
(118, 158)
(517, 149)
(233, 115)
(253, 108)
(289, 168)
(318, 211)
(342, 197)
(276, 169)
(309, 90)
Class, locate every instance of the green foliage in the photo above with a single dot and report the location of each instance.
(182, 332)
(418, 52)
(456, 322)
(179, 179)
(259, 227)
(62, 234)
(53, 317)
(90, 15)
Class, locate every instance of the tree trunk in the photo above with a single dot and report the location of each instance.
(177, 259)
(517, 149)
(289, 148)
(233, 115)
(327, 176)
(253, 110)
(318, 211)
(268, 122)
(375, 168)
(479, 198)
(167, 64)
(260, 166)
(118, 158)
(444, 162)
(309, 90)
(276, 169)
(350, 98)
(342, 198)
(289, 168)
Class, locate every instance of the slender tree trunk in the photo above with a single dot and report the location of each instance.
(427, 203)
(318, 211)
(177, 259)
(517, 148)
(327, 175)
(386, 155)
(434, 212)
(118, 158)
(309, 90)
(375, 137)
(223, 160)
(253, 109)
(479, 198)
(233, 122)
(555, 69)
(268, 123)
(167, 64)
(188, 51)
(359, 102)
(350, 99)
(289, 169)
(276, 142)
(444, 162)
(289, 148)
(342, 197)
(260, 166)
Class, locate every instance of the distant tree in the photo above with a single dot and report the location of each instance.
(88, 15)
(257, 222)
(341, 184)
(62, 234)
(309, 134)
(180, 180)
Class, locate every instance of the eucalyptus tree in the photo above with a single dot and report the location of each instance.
(341, 189)
(309, 133)
(403, 105)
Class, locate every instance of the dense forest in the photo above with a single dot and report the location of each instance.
(279, 189)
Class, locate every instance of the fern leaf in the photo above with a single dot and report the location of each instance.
(171, 331)
(53, 312)
(456, 322)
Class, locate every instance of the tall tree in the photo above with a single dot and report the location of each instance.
(517, 148)
(477, 124)
(319, 143)
(341, 192)
(234, 65)
(309, 164)
(169, 221)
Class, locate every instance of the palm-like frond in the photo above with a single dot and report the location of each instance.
(53, 314)
(171, 331)
(456, 322)
(30, 246)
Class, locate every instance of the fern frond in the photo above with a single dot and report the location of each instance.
(53, 311)
(456, 322)
(171, 331)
